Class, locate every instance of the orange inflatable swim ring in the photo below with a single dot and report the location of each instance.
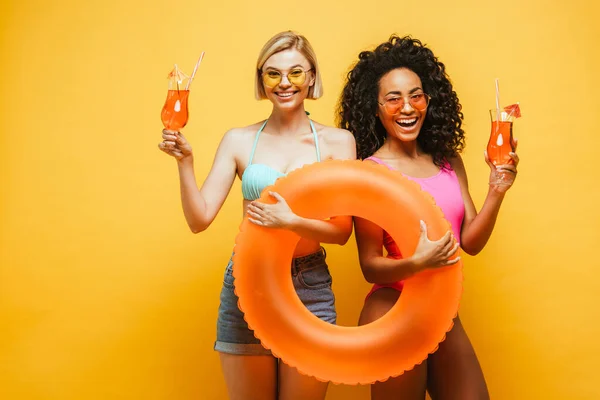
(385, 348)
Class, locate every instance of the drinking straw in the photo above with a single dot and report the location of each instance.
(497, 101)
(194, 73)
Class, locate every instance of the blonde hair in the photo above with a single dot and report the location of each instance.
(284, 41)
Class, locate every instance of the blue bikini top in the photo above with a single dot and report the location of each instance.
(256, 177)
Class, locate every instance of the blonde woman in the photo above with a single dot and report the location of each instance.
(287, 73)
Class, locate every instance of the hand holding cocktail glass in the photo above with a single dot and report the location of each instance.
(175, 114)
(500, 154)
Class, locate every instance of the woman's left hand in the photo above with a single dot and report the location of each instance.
(278, 215)
(503, 176)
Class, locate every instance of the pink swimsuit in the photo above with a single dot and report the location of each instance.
(445, 189)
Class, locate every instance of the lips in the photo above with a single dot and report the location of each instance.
(407, 122)
(285, 95)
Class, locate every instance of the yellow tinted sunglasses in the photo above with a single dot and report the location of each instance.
(296, 76)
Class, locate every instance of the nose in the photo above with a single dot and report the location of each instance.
(407, 108)
(285, 83)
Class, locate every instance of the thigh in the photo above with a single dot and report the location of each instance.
(233, 334)
(250, 377)
(412, 384)
(454, 371)
(295, 386)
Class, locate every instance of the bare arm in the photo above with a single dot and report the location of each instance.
(375, 267)
(383, 270)
(336, 230)
(200, 206)
(477, 227)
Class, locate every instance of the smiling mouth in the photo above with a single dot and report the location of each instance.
(285, 95)
(407, 122)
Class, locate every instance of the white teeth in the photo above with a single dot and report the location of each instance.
(408, 121)
(284, 94)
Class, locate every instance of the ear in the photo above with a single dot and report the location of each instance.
(313, 78)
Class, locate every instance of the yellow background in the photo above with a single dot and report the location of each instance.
(105, 294)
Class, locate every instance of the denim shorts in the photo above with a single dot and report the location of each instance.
(312, 282)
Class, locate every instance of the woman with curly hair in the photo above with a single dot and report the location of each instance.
(400, 106)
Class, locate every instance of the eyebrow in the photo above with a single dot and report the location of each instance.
(398, 92)
(292, 67)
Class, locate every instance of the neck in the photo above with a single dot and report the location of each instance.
(401, 149)
(288, 122)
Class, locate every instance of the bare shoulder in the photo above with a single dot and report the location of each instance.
(333, 135)
(456, 162)
(458, 166)
(244, 132)
(339, 142)
(241, 137)
(336, 137)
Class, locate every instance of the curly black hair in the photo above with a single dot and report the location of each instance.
(441, 135)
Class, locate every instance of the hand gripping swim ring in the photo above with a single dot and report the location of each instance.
(385, 348)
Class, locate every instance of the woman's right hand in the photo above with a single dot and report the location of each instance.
(175, 144)
(435, 254)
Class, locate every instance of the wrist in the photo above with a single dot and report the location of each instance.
(186, 161)
(496, 193)
(416, 264)
(294, 223)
